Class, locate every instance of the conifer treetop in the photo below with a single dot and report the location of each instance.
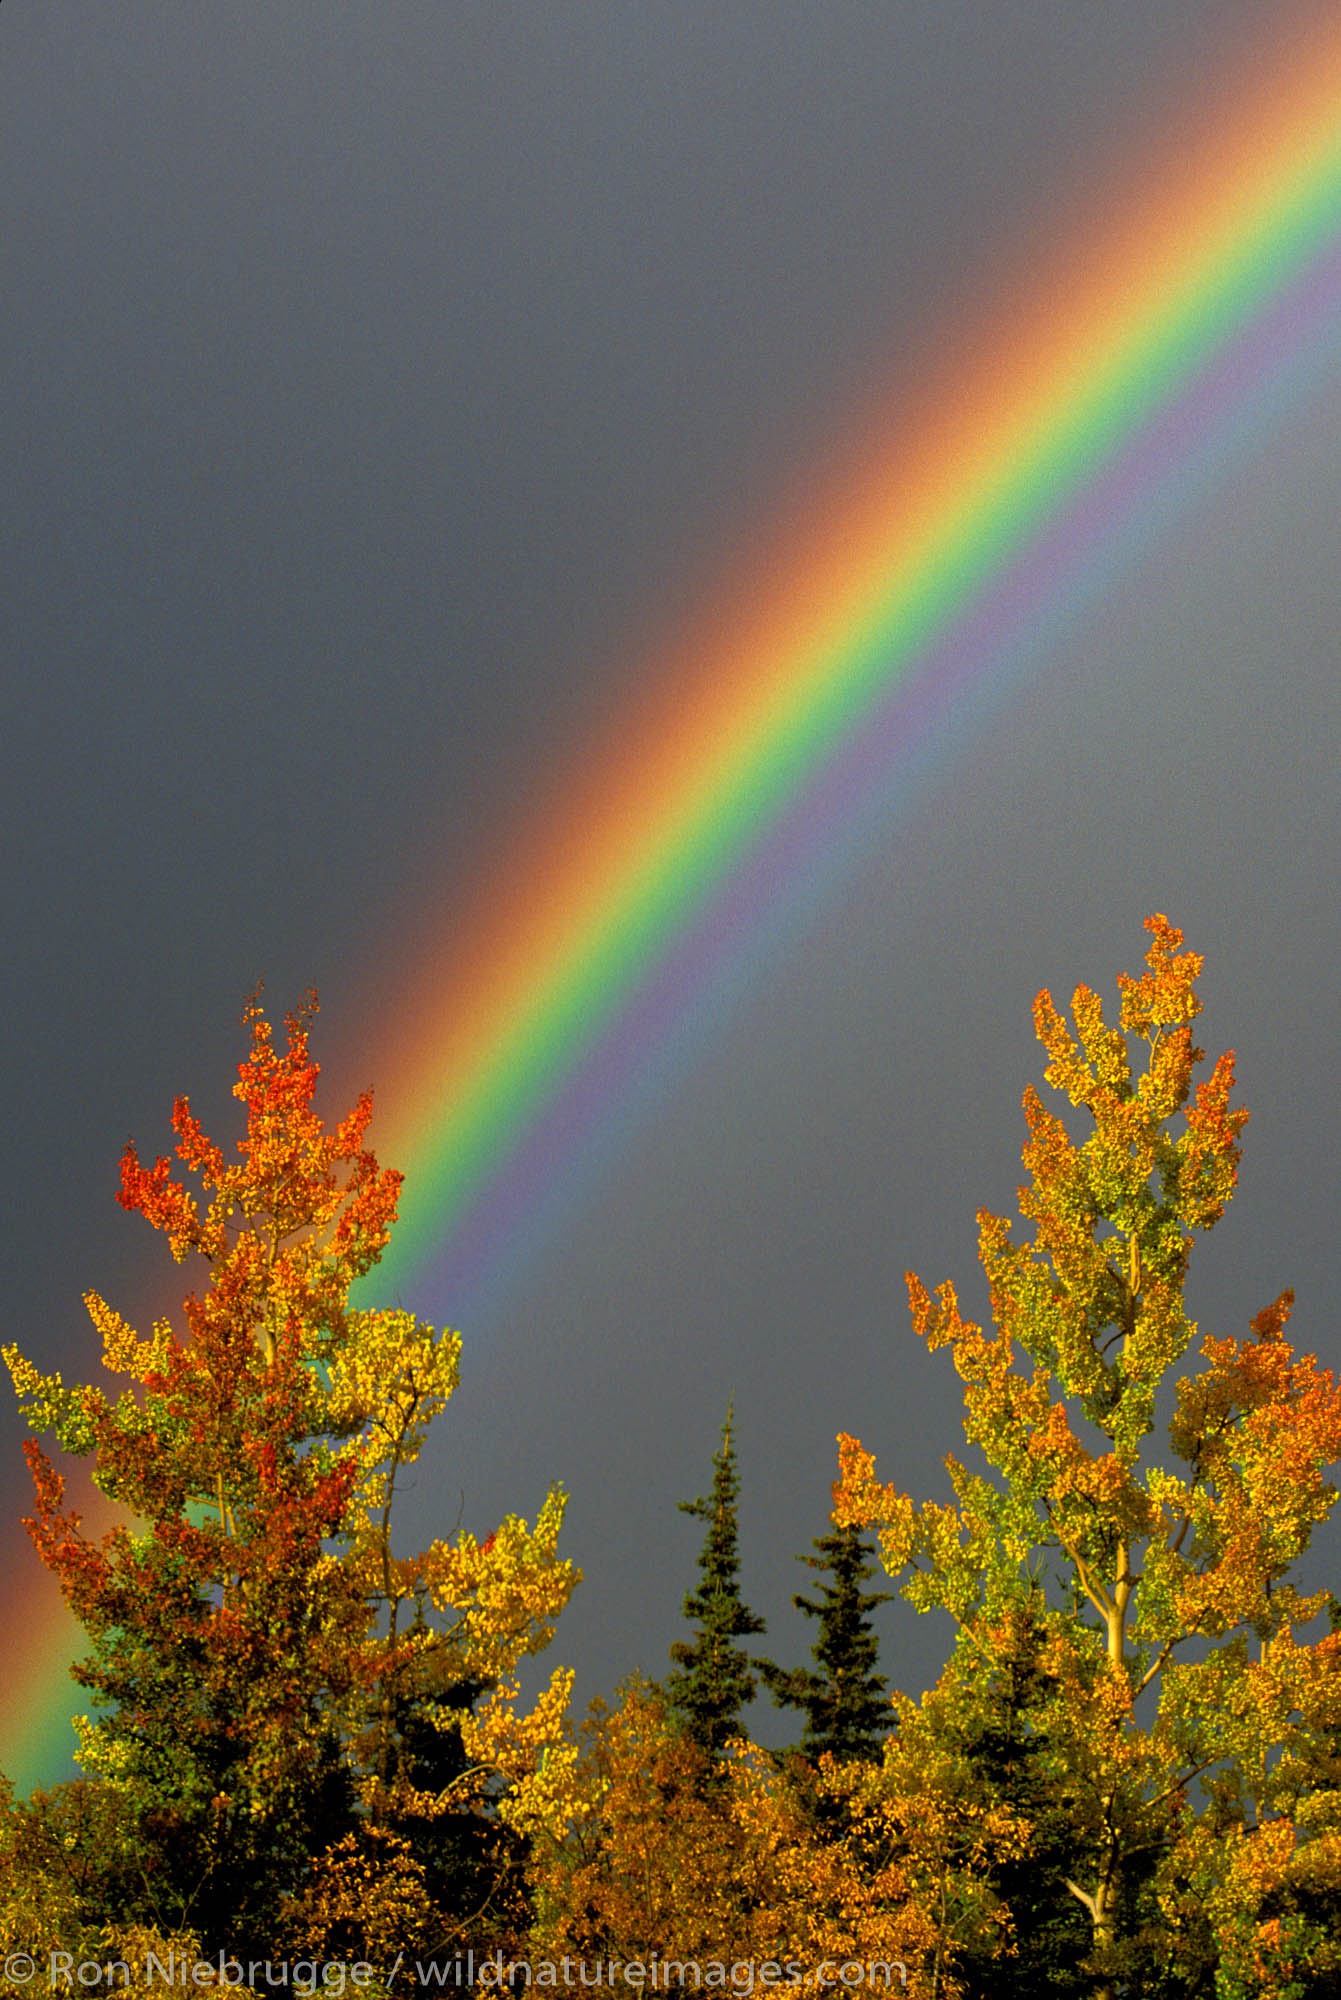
(713, 1680)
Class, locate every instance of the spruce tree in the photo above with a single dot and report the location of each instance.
(847, 1712)
(993, 1718)
(713, 1679)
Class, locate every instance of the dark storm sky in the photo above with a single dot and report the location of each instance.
(377, 378)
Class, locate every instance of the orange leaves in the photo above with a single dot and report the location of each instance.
(1270, 1323)
(1261, 1427)
(860, 1501)
(153, 1193)
(1048, 1152)
(1069, 1462)
(664, 1859)
(938, 1322)
(1164, 995)
(1209, 1150)
(199, 1152)
(302, 1215)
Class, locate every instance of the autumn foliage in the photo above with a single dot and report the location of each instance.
(1127, 1778)
(1164, 1594)
(273, 1681)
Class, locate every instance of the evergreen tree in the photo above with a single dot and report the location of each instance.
(992, 1718)
(713, 1680)
(845, 1706)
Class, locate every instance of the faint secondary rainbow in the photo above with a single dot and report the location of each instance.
(533, 1037)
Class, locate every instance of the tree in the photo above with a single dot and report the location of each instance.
(670, 1854)
(1169, 1611)
(986, 1727)
(647, 1864)
(255, 1642)
(846, 1709)
(713, 1679)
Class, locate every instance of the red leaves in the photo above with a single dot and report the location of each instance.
(82, 1570)
(199, 1153)
(153, 1193)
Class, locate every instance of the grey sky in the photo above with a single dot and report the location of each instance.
(377, 379)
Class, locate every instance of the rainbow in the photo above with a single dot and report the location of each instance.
(799, 712)
(808, 699)
(38, 1698)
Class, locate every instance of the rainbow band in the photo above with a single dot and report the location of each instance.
(1023, 483)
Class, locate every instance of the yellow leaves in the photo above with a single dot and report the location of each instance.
(123, 1352)
(747, 1862)
(101, 1754)
(860, 1500)
(366, 1899)
(1105, 1047)
(1160, 1333)
(50, 1406)
(1066, 1070)
(1099, 1067)
(1164, 1087)
(1054, 1163)
(37, 1902)
(506, 1591)
(29, 1381)
(501, 1598)
(532, 1752)
(388, 1381)
(496, 1734)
